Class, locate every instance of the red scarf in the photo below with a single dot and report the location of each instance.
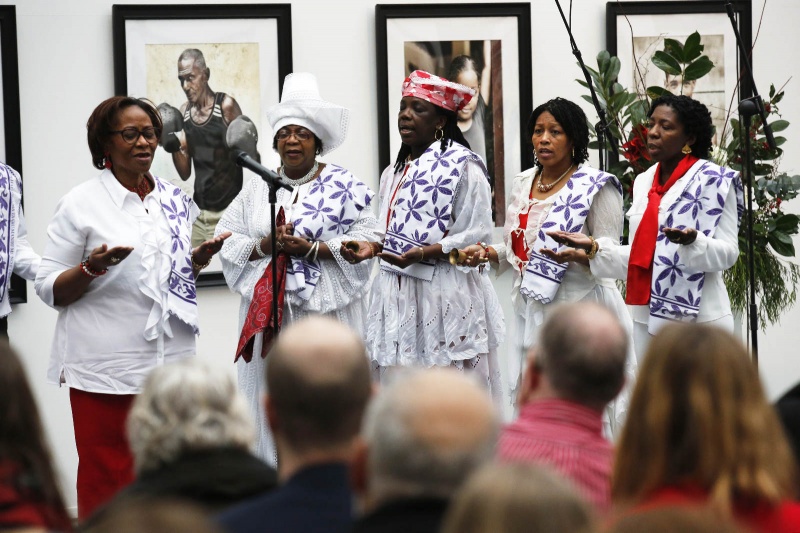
(259, 316)
(643, 249)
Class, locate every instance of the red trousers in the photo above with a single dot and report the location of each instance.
(105, 463)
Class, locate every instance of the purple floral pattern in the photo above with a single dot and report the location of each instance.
(6, 178)
(543, 276)
(331, 207)
(422, 210)
(676, 291)
(176, 205)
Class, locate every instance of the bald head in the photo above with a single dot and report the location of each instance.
(318, 380)
(426, 432)
(582, 352)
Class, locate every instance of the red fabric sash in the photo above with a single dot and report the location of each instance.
(643, 249)
(259, 316)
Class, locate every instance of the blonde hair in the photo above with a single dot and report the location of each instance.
(698, 416)
(517, 498)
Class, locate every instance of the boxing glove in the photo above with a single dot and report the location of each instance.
(242, 136)
(173, 123)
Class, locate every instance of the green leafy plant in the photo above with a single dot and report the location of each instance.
(776, 278)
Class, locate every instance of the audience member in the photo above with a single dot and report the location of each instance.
(190, 432)
(676, 520)
(29, 493)
(788, 407)
(700, 433)
(318, 385)
(422, 436)
(577, 368)
(164, 516)
(517, 498)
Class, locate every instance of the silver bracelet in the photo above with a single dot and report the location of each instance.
(257, 248)
(316, 251)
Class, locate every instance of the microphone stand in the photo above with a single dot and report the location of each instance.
(601, 128)
(273, 183)
(747, 108)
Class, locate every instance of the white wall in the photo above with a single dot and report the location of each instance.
(66, 69)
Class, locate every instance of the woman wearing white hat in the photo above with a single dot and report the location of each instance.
(326, 207)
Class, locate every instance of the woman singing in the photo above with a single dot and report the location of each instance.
(120, 269)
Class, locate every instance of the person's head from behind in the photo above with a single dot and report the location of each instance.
(123, 133)
(318, 385)
(184, 407)
(193, 74)
(580, 357)
(675, 519)
(676, 121)
(558, 130)
(428, 113)
(153, 516)
(23, 444)
(423, 435)
(517, 498)
(699, 416)
(464, 70)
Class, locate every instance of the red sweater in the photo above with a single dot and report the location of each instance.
(760, 517)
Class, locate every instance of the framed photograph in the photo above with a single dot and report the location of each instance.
(636, 30)
(484, 46)
(205, 66)
(10, 133)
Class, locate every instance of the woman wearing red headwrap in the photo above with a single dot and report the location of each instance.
(684, 223)
(424, 311)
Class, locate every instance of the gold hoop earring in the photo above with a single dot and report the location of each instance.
(686, 149)
(439, 135)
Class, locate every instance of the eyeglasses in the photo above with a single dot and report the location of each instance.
(131, 135)
(300, 135)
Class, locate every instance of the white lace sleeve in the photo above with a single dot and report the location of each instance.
(472, 210)
(240, 273)
(365, 228)
(605, 222)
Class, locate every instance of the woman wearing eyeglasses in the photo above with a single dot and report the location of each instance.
(119, 268)
(323, 207)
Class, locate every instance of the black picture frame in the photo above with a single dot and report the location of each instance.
(18, 288)
(687, 17)
(211, 15)
(516, 99)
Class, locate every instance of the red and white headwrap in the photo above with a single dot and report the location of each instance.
(438, 91)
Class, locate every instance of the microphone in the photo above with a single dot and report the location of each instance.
(241, 158)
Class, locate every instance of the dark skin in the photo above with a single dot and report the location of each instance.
(665, 140)
(417, 122)
(554, 151)
(130, 164)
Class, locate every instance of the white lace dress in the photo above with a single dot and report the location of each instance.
(579, 284)
(455, 319)
(340, 292)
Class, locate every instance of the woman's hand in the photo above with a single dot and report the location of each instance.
(475, 255)
(366, 251)
(573, 239)
(410, 257)
(680, 236)
(569, 255)
(203, 253)
(103, 257)
(295, 246)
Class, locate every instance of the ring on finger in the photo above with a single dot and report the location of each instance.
(114, 260)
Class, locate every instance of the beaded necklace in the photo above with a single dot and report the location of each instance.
(142, 189)
(305, 179)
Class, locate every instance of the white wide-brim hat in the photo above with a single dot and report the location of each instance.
(301, 105)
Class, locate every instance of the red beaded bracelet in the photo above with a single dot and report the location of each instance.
(87, 270)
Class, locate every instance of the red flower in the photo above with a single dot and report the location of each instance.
(636, 148)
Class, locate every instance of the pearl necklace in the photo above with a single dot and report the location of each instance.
(305, 179)
(546, 188)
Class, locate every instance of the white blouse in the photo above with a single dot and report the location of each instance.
(101, 340)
